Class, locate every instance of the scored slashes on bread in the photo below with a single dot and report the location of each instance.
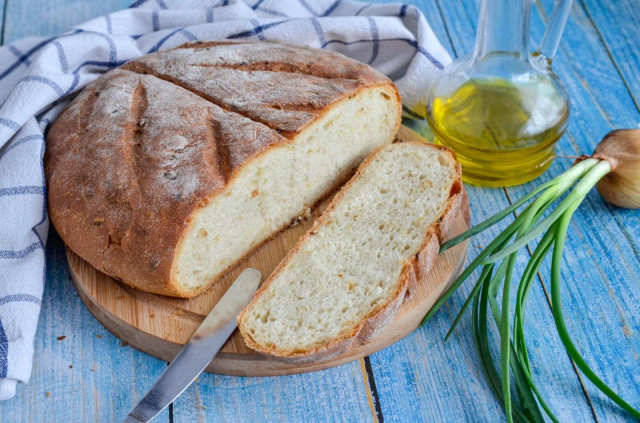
(166, 172)
(346, 279)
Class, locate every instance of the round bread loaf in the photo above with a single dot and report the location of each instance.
(168, 171)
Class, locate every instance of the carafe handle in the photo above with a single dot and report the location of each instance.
(552, 34)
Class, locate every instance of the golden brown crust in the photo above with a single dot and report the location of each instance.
(283, 86)
(415, 271)
(134, 156)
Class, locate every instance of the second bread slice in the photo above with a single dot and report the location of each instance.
(347, 277)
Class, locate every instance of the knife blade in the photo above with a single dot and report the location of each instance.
(203, 345)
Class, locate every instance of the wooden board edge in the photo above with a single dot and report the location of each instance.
(230, 364)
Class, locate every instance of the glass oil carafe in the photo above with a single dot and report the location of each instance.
(502, 109)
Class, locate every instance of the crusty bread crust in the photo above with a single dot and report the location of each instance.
(415, 271)
(113, 193)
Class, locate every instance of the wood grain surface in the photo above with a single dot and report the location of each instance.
(420, 378)
(160, 325)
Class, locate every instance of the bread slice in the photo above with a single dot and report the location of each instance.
(167, 172)
(281, 186)
(347, 277)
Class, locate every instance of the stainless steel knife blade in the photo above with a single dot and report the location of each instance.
(200, 350)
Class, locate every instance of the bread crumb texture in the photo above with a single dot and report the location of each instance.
(351, 263)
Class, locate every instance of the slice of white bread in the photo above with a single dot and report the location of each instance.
(347, 277)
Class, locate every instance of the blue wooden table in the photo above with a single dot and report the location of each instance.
(83, 373)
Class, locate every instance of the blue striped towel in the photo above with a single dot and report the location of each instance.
(38, 77)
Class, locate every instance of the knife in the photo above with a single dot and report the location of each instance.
(200, 350)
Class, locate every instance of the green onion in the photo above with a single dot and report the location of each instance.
(615, 169)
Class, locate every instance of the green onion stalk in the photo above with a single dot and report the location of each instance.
(614, 169)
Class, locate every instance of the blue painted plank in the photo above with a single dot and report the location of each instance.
(86, 376)
(619, 36)
(50, 17)
(2, 6)
(620, 39)
(332, 395)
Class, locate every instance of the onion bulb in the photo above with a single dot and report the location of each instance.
(621, 187)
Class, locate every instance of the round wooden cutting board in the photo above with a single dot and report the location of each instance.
(160, 325)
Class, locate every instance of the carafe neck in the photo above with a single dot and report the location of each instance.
(503, 27)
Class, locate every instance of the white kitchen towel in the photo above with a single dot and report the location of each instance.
(39, 76)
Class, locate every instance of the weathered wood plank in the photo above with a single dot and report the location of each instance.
(332, 395)
(51, 17)
(2, 7)
(619, 36)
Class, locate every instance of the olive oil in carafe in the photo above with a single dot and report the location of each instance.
(502, 132)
